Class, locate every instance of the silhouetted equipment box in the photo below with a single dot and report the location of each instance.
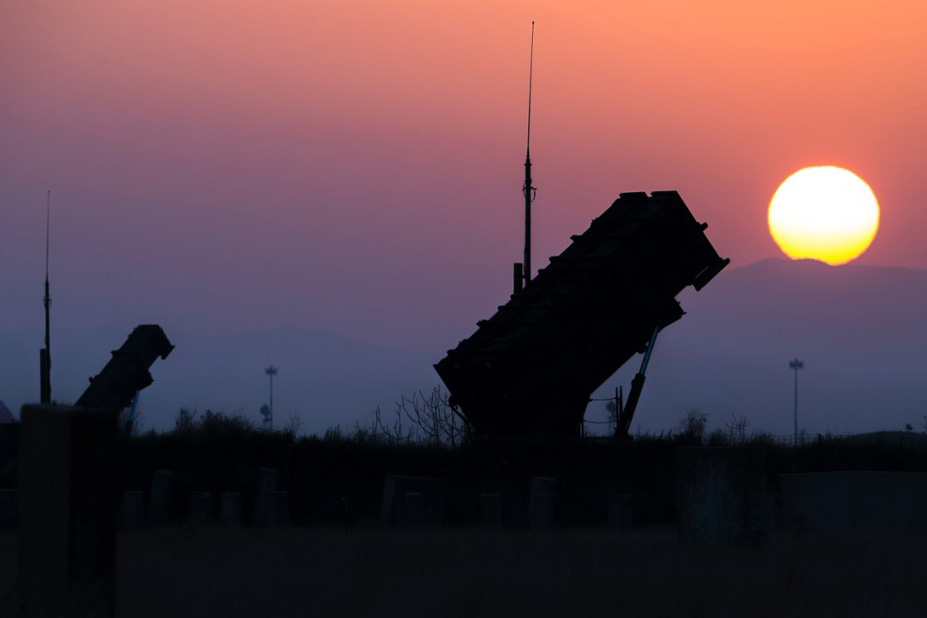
(67, 531)
(531, 368)
(127, 371)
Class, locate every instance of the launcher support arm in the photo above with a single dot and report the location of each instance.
(637, 385)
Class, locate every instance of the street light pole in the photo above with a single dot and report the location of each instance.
(796, 365)
(271, 371)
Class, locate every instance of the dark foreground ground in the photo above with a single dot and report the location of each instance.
(320, 572)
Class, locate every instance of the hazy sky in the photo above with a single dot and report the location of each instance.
(356, 166)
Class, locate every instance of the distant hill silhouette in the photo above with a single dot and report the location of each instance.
(860, 330)
(324, 378)
(819, 303)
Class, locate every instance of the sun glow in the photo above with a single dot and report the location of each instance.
(824, 213)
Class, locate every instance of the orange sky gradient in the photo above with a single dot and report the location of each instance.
(356, 166)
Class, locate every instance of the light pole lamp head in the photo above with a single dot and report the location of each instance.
(271, 371)
(796, 364)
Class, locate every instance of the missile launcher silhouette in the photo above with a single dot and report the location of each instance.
(126, 373)
(532, 367)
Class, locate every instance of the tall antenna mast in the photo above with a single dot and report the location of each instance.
(529, 191)
(522, 272)
(45, 353)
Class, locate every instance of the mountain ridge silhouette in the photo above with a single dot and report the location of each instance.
(858, 328)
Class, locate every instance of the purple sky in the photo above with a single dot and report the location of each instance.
(355, 167)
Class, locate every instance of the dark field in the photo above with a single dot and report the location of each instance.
(377, 572)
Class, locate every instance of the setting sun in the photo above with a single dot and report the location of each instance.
(824, 213)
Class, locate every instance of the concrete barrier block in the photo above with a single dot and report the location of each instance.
(133, 509)
(8, 510)
(230, 508)
(413, 509)
(618, 512)
(720, 495)
(393, 506)
(200, 508)
(491, 510)
(162, 484)
(871, 502)
(267, 483)
(541, 500)
(277, 510)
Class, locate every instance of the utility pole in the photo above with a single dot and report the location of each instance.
(271, 372)
(796, 365)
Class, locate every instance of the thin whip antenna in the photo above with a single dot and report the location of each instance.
(528, 190)
(530, 78)
(48, 228)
